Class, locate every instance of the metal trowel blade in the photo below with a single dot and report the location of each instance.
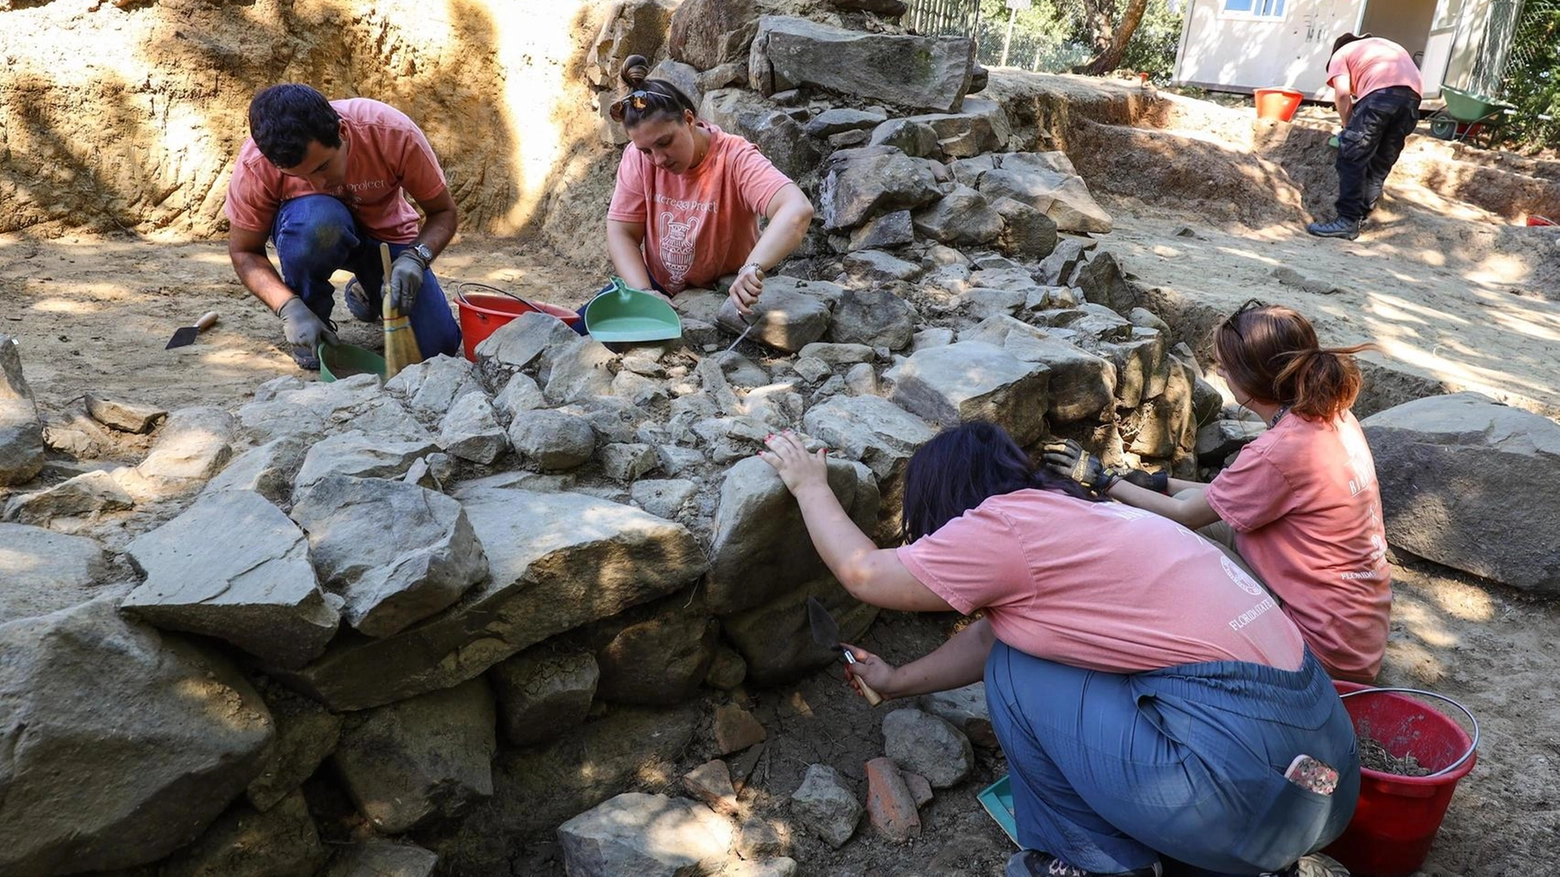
(825, 631)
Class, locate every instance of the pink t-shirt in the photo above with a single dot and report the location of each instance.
(386, 155)
(702, 224)
(1370, 65)
(1102, 586)
(1306, 510)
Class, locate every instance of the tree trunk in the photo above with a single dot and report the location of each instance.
(1110, 58)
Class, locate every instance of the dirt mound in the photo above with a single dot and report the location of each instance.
(128, 119)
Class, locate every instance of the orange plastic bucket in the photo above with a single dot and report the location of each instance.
(1277, 103)
(482, 313)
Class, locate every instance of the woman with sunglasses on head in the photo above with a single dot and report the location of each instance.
(1156, 708)
(688, 197)
(1300, 504)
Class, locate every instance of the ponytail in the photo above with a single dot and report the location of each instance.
(1324, 383)
(1272, 353)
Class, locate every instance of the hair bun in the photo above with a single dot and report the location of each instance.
(635, 69)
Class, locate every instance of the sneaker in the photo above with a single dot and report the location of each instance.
(358, 303)
(1348, 229)
(1034, 863)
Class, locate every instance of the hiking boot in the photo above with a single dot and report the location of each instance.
(1348, 229)
(358, 303)
(1033, 863)
(1314, 865)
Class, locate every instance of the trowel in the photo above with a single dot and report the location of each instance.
(826, 633)
(186, 335)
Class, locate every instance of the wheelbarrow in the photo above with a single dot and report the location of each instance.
(1469, 117)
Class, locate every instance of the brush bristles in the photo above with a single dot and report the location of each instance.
(400, 342)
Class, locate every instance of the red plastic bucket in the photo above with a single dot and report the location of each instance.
(1277, 103)
(1398, 816)
(482, 313)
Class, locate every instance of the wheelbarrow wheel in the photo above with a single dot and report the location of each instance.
(1443, 128)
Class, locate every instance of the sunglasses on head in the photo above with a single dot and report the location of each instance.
(1232, 322)
(639, 99)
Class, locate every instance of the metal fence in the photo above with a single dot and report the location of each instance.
(1495, 46)
(944, 17)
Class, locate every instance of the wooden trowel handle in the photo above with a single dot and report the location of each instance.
(384, 262)
(873, 698)
(206, 321)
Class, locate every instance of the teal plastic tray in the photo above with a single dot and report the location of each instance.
(997, 798)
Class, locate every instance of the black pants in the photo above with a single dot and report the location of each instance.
(1370, 144)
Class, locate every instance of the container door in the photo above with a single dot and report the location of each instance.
(1433, 69)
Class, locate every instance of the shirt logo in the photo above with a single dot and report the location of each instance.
(1240, 576)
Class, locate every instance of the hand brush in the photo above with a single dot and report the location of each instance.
(400, 342)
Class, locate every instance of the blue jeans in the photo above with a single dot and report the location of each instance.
(1370, 144)
(316, 234)
(1112, 772)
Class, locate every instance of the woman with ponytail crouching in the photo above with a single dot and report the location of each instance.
(1302, 498)
(688, 198)
(1158, 712)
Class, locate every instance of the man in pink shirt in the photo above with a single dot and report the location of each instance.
(1376, 88)
(327, 182)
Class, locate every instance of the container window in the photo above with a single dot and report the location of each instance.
(1256, 8)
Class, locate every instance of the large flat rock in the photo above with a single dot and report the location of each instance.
(556, 561)
(1473, 485)
(930, 73)
(234, 567)
(761, 548)
(974, 380)
(46, 571)
(122, 744)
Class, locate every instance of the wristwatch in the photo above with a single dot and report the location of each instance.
(757, 269)
(423, 253)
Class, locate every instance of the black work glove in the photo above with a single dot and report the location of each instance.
(1158, 482)
(1069, 460)
(303, 327)
(406, 279)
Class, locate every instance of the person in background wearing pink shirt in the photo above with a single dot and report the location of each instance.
(1376, 87)
(327, 182)
(1149, 695)
(688, 197)
(1300, 504)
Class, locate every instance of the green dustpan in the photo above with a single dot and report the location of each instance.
(630, 315)
(345, 360)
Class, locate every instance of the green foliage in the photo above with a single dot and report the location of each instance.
(1055, 35)
(1532, 80)
(1153, 46)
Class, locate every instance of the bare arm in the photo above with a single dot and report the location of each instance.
(246, 249)
(956, 663)
(623, 247)
(442, 219)
(789, 214)
(1342, 99)
(871, 574)
(1190, 509)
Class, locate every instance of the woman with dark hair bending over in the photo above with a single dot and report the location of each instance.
(1148, 693)
(688, 197)
(1301, 499)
